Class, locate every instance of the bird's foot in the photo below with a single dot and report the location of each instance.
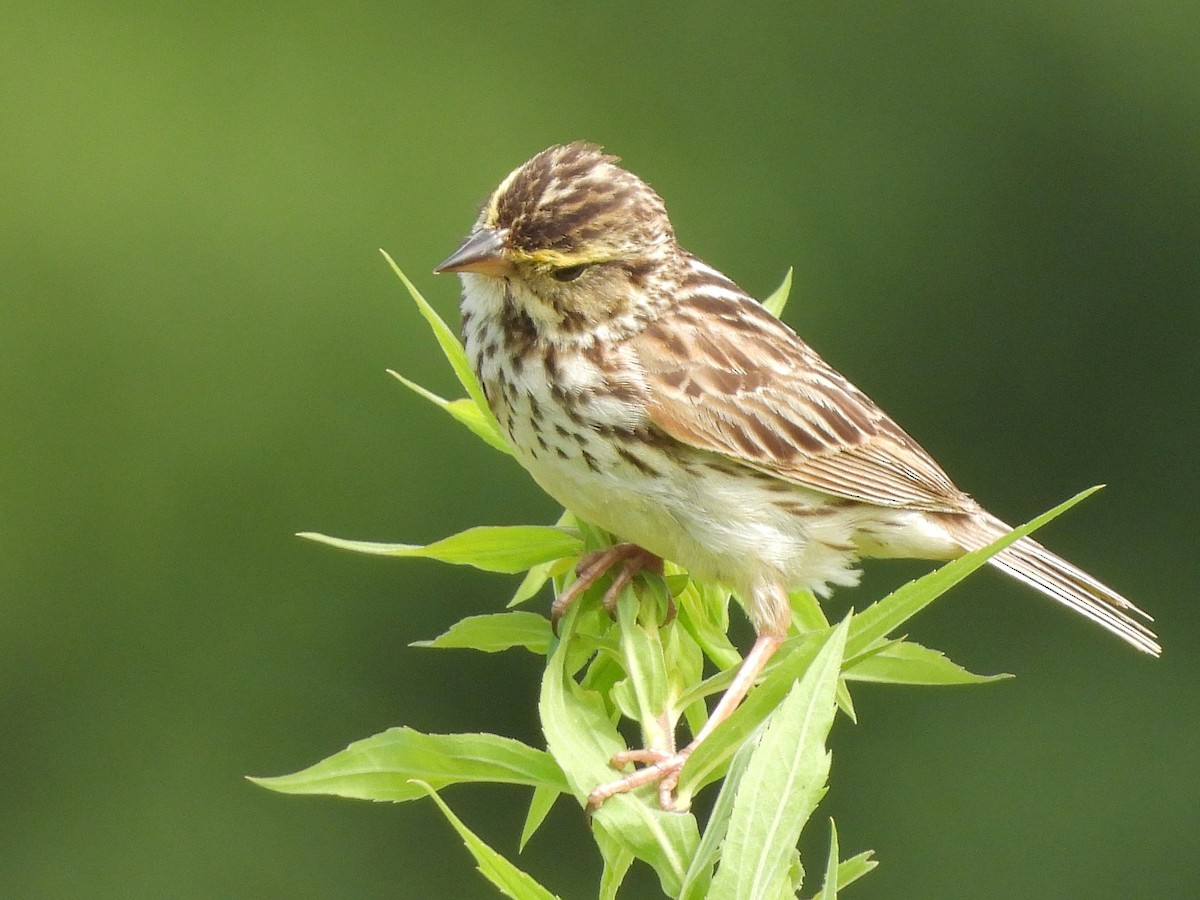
(594, 565)
(657, 766)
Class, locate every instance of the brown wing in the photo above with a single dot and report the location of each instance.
(723, 374)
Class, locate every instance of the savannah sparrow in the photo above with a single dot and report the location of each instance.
(650, 395)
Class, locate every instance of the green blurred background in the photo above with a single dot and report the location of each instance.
(993, 214)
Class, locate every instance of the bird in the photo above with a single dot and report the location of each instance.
(651, 396)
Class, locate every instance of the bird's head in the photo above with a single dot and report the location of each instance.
(577, 240)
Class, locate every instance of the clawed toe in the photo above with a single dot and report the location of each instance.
(593, 566)
(658, 766)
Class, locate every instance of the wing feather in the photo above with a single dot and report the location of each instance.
(723, 374)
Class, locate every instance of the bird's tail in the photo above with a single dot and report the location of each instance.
(1032, 563)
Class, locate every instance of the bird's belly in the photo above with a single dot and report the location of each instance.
(720, 521)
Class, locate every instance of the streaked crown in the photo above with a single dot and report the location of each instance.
(572, 204)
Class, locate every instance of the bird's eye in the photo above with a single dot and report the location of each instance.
(568, 273)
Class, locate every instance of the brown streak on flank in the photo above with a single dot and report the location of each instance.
(838, 546)
(634, 460)
(572, 413)
(621, 390)
(833, 506)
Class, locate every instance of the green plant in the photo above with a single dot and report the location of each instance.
(652, 668)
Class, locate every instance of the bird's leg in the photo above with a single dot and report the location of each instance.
(593, 565)
(664, 768)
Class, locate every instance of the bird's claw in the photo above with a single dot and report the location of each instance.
(657, 766)
(594, 565)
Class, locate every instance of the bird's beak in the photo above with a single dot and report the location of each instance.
(482, 252)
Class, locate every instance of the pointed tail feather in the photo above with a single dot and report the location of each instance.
(1029, 561)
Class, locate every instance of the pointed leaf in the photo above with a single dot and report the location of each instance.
(829, 890)
(451, 348)
(699, 874)
(782, 784)
(534, 580)
(511, 881)
(495, 632)
(581, 736)
(493, 548)
(712, 639)
(854, 868)
(383, 767)
(779, 297)
(644, 688)
(464, 410)
(539, 807)
(617, 860)
(906, 662)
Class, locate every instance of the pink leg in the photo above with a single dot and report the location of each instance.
(663, 767)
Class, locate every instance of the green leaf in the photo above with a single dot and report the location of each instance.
(807, 614)
(383, 767)
(583, 739)
(790, 662)
(493, 548)
(883, 617)
(854, 868)
(465, 411)
(905, 662)
(539, 807)
(779, 297)
(845, 702)
(829, 890)
(843, 874)
(693, 615)
(782, 784)
(617, 860)
(642, 694)
(495, 632)
(699, 874)
(511, 881)
(451, 348)
(534, 580)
